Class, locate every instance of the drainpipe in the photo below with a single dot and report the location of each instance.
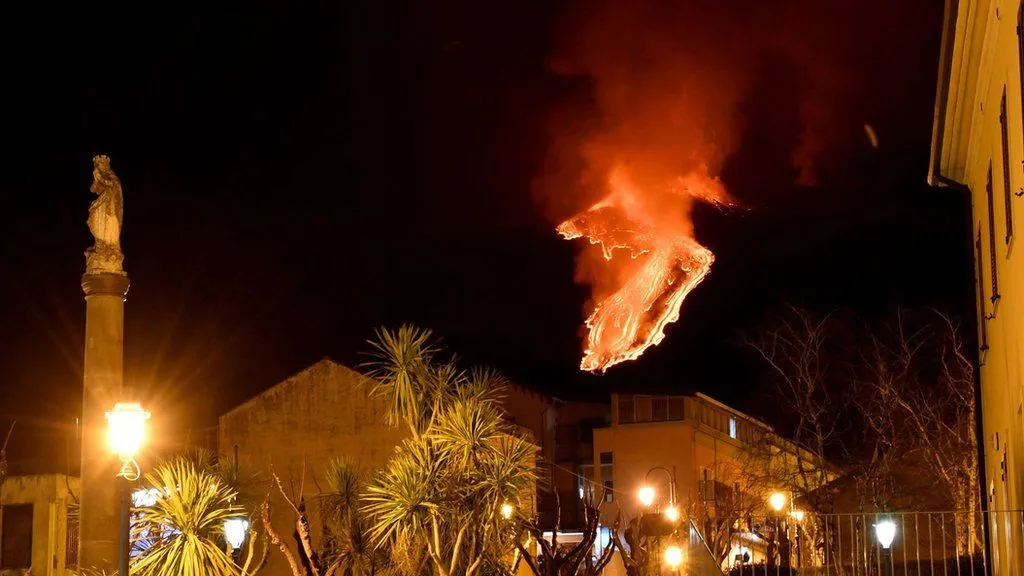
(979, 428)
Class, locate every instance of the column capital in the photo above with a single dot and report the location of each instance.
(107, 284)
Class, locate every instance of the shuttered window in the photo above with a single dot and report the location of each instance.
(993, 270)
(1007, 193)
(627, 410)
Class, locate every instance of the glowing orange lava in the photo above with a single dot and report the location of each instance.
(668, 264)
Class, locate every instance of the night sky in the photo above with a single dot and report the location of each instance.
(297, 174)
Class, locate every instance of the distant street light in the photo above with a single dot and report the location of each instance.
(672, 514)
(126, 433)
(777, 501)
(507, 510)
(797, 515)
(673, 556)
(646, 495)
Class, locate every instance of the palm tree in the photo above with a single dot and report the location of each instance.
(348, 550)
(454, 484)
(181, 532)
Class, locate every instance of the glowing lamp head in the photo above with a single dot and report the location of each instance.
(507, 510)
(235, 530)
(673, 556)
(126, 430)
(646, 495)
(777, 501)
(797, 515)
(672, 514)
(885, 531)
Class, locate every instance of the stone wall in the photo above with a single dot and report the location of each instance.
(50, 496)
(296, 429)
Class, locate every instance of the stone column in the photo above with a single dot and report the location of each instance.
(104, 372)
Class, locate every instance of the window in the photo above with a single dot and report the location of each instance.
(16, 531)
(659, 409)
(609, 491)
(732, 427)
(606, 457)
(627, 410)
(642, 405)
(676, 408)
(1007, 194)
(992, 237)
(982, 317)
(707, 485)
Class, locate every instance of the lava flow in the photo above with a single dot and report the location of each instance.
(666, 264)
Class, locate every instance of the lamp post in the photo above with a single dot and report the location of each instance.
(885, 532)
(126, 433)
(798, 517)
(777, 501)
(646, 494)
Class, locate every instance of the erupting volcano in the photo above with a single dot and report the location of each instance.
(664, 264)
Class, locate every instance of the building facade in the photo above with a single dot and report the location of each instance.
(713, 463)
(39, 525)
(573, 462)
(695, 440)
(978, 149)
(326, 412)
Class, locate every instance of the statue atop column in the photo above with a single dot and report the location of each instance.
(105, 215)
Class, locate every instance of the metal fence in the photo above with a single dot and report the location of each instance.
(71, 537)
(922, 544)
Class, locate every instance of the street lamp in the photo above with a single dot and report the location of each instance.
(507, 510)
(646, 492)
(777, 501)
(646, 496)
(126, 433)
(672, 514)
(673, 556)
(885, 532)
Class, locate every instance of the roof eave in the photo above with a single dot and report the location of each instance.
(935, 176)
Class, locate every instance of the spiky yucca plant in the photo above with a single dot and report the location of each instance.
(446, 486)
(181, 534)
(348, 549)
